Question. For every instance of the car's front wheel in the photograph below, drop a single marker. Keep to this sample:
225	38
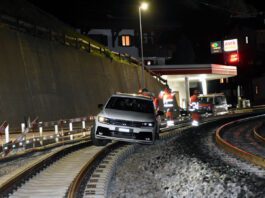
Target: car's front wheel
97	142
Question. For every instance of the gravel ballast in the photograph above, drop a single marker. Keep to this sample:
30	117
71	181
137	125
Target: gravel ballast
190	166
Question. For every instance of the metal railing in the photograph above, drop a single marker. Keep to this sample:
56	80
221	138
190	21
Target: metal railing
37	134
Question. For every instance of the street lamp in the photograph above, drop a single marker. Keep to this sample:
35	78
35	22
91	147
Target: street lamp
143	6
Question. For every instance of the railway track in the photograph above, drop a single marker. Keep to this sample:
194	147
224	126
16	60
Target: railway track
79	170
52	174
240	138
259	133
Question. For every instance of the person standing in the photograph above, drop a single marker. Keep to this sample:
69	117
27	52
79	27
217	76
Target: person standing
194	104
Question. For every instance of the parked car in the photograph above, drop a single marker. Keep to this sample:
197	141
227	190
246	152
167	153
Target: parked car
215	104
126	117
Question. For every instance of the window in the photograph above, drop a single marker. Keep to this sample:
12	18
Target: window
206	100
125	40
220	100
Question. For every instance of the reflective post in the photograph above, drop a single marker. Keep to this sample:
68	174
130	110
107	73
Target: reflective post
7	134
41	131
84	127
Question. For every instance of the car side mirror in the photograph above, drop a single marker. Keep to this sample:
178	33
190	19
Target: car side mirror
100	106
160	113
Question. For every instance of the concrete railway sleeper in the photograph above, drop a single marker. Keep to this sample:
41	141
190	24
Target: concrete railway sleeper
12	185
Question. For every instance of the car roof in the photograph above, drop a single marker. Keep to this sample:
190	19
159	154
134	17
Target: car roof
132	95
212	95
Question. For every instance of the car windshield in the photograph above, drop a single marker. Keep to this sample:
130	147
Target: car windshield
206	100
130	104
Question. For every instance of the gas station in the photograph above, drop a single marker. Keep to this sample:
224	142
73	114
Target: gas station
181	78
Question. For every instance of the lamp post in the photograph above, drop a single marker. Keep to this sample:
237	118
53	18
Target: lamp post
143	6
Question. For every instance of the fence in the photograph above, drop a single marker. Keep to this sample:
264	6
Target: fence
36	134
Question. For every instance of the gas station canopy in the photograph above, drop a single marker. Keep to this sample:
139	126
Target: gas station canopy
195	72
180	77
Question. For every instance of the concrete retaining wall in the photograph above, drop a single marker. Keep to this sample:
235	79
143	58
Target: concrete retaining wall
44	78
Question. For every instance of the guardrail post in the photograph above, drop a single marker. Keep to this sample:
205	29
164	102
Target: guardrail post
84	127
7	134
3	128
41	131
70	130
23	127
83	124
70	126
56	131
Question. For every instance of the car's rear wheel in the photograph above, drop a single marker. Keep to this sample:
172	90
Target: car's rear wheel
97	142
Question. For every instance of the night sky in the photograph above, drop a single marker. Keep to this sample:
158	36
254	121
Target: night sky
206	12
193	23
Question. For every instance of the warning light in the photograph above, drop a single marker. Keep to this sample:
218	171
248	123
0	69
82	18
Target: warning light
233	57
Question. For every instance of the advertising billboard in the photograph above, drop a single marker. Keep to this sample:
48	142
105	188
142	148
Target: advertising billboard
230	45
216	47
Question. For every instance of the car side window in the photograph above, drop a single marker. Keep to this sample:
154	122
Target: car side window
220	100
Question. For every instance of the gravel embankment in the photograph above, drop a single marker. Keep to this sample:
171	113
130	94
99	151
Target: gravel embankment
185	168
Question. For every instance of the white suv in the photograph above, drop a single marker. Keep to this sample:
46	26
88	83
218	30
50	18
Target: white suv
126	117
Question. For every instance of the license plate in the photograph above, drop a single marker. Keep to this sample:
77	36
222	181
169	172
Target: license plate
124	130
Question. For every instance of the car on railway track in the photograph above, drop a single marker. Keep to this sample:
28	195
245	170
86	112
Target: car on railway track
126	117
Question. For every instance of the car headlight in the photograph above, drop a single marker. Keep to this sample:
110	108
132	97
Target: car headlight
104	120
147	124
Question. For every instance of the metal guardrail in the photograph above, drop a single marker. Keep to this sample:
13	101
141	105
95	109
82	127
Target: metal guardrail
59	131
76	42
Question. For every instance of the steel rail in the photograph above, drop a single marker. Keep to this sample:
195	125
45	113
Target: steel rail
76	183
255	159
257	135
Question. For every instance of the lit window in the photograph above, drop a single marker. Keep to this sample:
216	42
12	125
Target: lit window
126	40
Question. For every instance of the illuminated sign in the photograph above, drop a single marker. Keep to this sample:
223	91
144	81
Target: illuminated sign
233	57
216	47
230	45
